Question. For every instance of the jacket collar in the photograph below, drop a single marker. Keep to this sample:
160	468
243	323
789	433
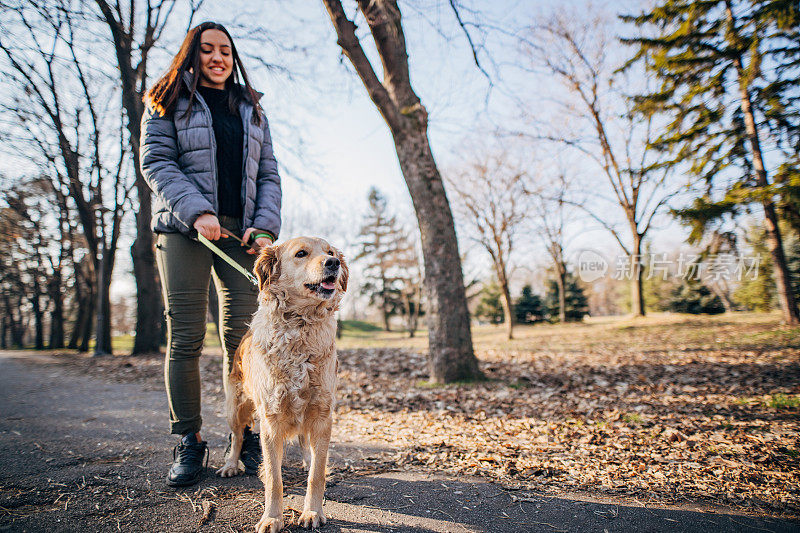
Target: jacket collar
188	77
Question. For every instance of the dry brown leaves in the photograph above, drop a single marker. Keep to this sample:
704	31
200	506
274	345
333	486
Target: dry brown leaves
683	424
674	412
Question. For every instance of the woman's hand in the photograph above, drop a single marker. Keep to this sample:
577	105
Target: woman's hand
207	225
260	243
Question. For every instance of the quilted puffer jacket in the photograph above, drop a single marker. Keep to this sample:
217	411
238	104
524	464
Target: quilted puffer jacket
178	159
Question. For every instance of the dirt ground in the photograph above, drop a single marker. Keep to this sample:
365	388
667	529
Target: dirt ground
666	425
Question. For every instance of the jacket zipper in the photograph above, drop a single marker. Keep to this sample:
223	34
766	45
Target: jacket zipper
243	189
213	150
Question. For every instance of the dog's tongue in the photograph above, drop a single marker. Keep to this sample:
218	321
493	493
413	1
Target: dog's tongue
327	285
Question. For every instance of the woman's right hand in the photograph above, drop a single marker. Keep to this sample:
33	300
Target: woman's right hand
207	225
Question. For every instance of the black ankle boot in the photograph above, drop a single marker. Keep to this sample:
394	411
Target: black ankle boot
187	465
251	452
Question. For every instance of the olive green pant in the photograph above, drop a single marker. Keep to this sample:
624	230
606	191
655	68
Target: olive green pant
185	267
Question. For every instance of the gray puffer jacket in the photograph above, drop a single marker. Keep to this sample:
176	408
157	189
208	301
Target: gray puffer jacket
178	157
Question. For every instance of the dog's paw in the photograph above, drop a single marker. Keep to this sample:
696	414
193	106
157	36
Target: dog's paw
230	470
312	519
269	524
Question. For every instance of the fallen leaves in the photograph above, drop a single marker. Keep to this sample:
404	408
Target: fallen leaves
698	409
666	424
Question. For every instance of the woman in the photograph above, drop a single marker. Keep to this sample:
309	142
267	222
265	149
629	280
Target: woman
207	154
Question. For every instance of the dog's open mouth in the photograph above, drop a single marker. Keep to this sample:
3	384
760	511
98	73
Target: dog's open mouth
324	288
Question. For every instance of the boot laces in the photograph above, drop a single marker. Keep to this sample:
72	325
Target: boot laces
186	453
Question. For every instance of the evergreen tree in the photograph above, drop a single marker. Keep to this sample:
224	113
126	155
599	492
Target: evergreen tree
489	307
757	293
384	254
727	73
529	307
692	296
577	305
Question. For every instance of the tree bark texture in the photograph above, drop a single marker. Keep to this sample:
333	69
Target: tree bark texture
102	344
505	301
561	285
451	353
56	339
637	290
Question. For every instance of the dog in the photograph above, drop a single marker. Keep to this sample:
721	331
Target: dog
285	370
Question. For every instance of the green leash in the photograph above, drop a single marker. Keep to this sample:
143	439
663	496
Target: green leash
225	257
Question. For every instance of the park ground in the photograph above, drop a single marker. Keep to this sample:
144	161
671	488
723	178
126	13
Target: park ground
670	422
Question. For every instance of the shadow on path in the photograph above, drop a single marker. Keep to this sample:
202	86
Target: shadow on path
82	454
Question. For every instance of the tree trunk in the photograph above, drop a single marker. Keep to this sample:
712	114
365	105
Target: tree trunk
505	301
561	285
86	326
38	322
450	342
77	326
637	292
102	344
449	336
56	340
783	280
149	307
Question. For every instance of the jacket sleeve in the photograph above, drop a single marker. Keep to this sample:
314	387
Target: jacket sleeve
268	187
158	156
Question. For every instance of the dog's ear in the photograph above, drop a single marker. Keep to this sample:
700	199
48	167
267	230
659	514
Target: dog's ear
267	267
345	271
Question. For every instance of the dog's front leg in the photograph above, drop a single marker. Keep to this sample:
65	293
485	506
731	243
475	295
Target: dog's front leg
272	453
320	437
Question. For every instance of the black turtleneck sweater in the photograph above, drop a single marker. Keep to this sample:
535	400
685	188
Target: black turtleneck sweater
229	134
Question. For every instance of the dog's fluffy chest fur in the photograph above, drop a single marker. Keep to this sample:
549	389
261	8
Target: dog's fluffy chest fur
292	365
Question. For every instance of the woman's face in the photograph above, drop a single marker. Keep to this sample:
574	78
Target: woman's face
216	59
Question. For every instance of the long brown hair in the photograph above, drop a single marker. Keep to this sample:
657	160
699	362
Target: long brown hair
164	94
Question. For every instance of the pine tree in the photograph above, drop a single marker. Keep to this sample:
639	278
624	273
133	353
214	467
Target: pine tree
577	305
529	307
727	71
692	296
390	262
489	307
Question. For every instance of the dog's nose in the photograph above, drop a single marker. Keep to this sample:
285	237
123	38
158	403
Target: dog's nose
332	263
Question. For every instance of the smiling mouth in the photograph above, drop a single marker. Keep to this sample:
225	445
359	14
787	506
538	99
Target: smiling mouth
324	288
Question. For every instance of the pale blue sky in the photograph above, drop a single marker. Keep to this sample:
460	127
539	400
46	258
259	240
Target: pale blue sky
331	141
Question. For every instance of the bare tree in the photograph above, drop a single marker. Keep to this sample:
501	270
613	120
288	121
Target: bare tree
575	52
451	354
551	207
54	100
490	196
132	49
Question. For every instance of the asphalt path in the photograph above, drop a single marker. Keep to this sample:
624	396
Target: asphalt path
80	453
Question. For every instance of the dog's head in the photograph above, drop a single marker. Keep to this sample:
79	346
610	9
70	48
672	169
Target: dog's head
305	269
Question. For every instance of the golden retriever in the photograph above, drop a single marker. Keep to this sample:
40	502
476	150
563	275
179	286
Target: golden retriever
284	371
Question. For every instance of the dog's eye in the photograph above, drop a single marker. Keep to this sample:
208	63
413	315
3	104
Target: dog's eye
330	252
301	253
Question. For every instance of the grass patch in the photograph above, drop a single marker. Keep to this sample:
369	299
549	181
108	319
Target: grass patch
633	419
783	401
359	325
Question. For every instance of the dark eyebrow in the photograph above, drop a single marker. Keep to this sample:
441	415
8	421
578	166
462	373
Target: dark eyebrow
212	44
